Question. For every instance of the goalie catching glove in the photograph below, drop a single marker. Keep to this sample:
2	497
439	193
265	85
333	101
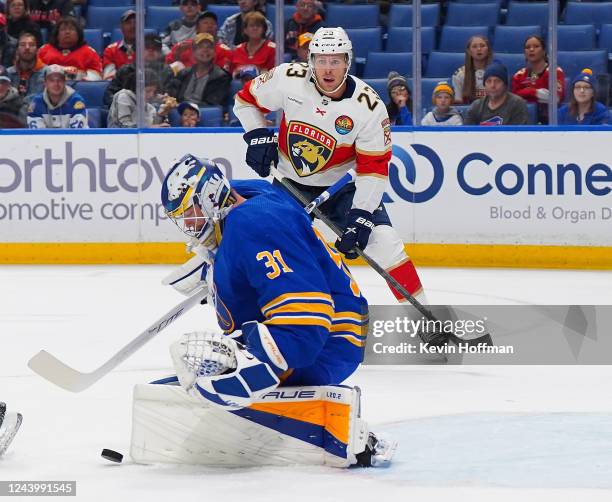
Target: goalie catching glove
218	370
191	275
262	150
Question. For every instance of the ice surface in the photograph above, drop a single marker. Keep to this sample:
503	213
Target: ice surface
466	432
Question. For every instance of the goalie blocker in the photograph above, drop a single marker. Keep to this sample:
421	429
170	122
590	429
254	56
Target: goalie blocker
289	425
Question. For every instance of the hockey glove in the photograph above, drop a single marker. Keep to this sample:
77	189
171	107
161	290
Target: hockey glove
190	276
262	150
359	225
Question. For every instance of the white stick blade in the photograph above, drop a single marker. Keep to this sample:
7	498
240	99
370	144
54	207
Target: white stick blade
58	373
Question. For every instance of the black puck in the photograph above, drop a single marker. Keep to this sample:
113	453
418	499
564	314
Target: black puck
112	455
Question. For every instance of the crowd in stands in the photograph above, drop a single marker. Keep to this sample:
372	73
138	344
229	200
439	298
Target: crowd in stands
61	67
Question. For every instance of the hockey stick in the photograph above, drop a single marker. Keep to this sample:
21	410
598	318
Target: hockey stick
484	339
331	191
62	375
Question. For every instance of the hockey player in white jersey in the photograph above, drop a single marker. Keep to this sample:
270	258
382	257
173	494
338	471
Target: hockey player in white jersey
331	122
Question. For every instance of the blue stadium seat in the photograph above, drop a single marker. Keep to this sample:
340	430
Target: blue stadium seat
166	3
96	118
117	35
223	12
379	64
271	12
573	62
605	37
596	13
92	92
210	116
93	37
527	13
512	38
365	40
401	15
513	61
352	16
126	4
466	14
576	37
400	39
442	65
105	18
160	17
532	114
380	86
454	38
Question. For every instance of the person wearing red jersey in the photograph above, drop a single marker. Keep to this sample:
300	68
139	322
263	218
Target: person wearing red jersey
181	55
67	48
531	82
332	122
257	50
122	52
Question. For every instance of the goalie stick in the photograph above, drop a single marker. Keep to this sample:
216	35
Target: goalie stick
55	371
484	339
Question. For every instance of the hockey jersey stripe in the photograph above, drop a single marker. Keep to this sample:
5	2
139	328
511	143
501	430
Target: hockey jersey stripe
245	96
351	339
303	297
300	321
302	307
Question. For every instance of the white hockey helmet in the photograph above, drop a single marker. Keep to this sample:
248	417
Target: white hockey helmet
330	41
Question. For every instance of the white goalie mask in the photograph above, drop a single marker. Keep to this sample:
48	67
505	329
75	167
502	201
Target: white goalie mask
330	41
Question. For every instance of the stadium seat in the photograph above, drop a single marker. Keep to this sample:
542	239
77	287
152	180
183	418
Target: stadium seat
126	4
365	40
400	39
512	38
454	38
210	116
442	65
105	18
92	92
271	12
466	14
513	61
379	64
380	86
96	118
352	16
163	3
595	13
576	37
160	17
93	37
532	114
605	37
527	14
223	12
401	15
573	62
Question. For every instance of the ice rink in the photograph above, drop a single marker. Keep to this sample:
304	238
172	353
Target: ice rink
466	433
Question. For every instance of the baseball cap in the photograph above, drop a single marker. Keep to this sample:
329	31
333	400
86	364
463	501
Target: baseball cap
52	69
152	41
188	104
127	14
203	37
4	75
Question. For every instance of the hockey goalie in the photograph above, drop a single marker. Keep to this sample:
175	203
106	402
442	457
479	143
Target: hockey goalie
266	388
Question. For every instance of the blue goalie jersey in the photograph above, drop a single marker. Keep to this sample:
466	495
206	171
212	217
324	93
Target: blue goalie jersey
272	266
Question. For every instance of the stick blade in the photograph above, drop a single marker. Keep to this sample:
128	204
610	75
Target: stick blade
55	371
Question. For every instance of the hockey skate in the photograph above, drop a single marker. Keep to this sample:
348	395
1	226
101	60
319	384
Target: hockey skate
378	452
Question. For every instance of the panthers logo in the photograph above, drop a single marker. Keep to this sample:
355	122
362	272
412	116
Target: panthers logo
309	148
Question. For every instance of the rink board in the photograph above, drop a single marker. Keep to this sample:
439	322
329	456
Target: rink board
518	197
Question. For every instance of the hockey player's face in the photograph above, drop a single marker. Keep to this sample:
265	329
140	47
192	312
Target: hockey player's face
329	70
194	219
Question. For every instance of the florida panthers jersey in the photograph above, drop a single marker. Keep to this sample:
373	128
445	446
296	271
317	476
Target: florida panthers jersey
321	138
272	267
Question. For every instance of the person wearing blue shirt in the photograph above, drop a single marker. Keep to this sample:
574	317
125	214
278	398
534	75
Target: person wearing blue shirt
582	108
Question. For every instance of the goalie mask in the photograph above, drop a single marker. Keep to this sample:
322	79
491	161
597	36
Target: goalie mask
194	195
330	41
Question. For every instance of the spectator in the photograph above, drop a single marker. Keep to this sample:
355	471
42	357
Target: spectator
303	45
58	106
47	13
401	102
232	31
189	113
11	103
531	82
443	114
204	83
67	47
257	50
468	81
154	61
499	106
305	20
27	72
121	53
182	29
19	20
8	44
582	108
123	110
181	55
